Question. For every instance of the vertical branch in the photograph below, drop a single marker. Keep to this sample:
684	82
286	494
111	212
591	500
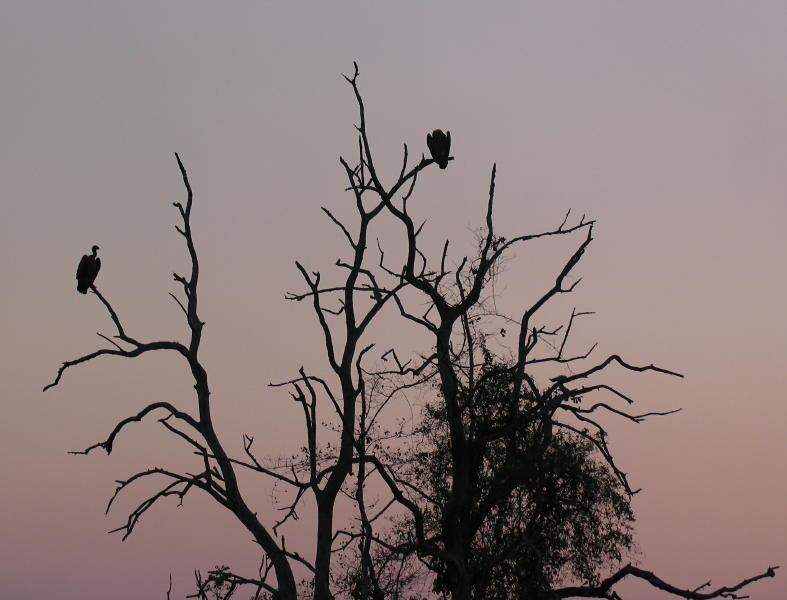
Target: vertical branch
191	285
369	585
234	499
524	346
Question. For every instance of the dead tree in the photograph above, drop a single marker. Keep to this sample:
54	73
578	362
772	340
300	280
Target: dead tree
344	312
454	298
217	478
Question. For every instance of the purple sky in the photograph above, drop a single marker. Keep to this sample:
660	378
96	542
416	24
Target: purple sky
665	121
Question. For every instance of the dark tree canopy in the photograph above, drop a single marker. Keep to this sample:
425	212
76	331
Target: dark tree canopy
567	517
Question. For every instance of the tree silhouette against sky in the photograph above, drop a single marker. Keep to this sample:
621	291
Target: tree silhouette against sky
508	423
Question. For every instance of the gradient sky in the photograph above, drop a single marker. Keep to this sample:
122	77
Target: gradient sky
665	121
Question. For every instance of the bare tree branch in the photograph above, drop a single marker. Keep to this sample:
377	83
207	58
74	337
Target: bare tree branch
604	589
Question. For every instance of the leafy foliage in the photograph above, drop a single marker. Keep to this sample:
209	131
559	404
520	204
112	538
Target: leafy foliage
546	507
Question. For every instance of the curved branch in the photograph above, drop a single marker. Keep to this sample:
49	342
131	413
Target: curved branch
563	379
604	589
187	481
137	351
108	443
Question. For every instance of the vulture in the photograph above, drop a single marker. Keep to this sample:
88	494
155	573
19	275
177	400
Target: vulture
87	271
439	145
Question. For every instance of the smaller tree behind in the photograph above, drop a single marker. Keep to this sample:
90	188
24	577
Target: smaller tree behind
567	518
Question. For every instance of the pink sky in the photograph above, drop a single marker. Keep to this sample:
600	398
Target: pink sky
665	121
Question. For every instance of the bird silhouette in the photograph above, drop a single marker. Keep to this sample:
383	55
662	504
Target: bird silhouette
87	270
439	145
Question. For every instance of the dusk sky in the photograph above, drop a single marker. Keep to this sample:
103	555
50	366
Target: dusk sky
664	121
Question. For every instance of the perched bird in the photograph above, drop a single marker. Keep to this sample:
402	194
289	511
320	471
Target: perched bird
439	145
87	270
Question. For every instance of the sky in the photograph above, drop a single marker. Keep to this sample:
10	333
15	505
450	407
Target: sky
664	121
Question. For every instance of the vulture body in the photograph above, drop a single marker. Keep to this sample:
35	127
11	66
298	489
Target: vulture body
87	270
439	145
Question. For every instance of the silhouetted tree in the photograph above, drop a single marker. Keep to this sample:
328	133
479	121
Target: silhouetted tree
566	515
497	438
